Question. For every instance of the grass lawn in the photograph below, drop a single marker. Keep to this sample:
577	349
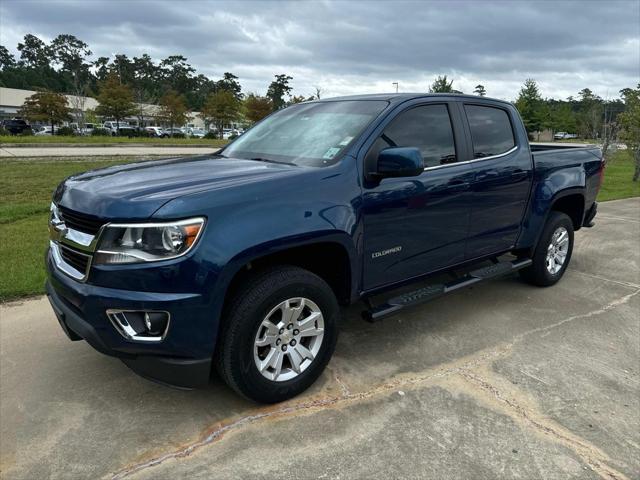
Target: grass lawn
25	194
617	182
79	140
26	187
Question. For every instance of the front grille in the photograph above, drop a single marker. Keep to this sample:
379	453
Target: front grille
77	260
80	221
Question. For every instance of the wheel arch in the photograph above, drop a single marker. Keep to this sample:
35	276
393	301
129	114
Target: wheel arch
332	257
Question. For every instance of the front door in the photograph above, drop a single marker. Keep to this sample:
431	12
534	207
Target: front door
416	225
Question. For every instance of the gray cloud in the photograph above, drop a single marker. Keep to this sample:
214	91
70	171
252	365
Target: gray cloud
356	47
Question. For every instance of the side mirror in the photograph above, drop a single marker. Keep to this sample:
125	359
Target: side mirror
399	162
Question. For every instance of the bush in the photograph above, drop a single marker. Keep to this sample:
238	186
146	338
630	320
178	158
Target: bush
4	132
179	135
65	131
233	137
100	132
210	135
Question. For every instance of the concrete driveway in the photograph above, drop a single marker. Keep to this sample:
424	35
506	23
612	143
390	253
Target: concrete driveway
503	380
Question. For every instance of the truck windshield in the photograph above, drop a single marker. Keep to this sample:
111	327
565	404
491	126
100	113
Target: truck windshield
312	134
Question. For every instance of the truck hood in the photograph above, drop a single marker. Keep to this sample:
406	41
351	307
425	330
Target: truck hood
137	190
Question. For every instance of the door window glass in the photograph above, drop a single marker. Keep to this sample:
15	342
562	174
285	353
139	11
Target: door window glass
427	128
491	131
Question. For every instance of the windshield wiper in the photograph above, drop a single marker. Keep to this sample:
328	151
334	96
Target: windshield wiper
269	160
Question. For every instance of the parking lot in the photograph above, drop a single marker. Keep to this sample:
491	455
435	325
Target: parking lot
502	380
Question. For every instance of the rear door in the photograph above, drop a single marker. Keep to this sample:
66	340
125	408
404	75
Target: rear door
416	225
502	175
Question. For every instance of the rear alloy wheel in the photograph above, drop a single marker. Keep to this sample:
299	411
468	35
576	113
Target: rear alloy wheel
553	252
557	250
278	334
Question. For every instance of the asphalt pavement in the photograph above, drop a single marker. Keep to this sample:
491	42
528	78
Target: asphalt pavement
499	381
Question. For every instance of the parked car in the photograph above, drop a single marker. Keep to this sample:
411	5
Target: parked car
119	128
240	260
228	133
169	132
196	132
155	131
16	126
46	130
87	129
564	136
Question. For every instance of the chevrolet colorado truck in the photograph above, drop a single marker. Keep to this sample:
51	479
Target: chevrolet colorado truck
240	261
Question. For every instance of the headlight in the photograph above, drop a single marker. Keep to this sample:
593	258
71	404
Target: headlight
147	242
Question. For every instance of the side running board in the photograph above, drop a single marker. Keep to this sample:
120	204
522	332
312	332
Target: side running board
422	295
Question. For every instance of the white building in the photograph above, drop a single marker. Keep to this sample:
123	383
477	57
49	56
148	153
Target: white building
11	99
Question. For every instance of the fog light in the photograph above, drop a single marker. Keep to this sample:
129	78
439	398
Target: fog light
140	326
155	322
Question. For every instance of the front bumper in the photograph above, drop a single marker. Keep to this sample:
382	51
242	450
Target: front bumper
182	359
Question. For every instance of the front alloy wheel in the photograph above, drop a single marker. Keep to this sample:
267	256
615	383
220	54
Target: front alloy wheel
278	333
288	339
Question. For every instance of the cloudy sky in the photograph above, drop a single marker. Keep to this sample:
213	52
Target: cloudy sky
361	47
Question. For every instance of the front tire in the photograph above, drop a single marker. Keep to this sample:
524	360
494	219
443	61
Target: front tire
553	252
279	333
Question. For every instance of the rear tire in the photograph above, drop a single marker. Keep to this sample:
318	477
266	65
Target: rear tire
279	332
553	252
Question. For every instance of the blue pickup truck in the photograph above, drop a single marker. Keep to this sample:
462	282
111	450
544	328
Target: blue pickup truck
240	261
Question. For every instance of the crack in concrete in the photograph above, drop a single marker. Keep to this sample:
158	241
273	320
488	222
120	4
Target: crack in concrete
598	277
511	402
463	367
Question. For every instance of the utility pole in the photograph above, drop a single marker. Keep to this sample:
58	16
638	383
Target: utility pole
396	84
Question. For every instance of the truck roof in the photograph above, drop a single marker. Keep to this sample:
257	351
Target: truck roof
401	97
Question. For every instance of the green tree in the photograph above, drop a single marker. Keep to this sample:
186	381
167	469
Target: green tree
44	106
480	90
34	52
229	82
257	107
173	110
563	118
101	66
7	60
441	85
590	113
629	122
529	104
221	108
115	100
176	73
278	89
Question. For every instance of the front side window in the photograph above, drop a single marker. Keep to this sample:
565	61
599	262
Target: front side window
491	131
311	134
427	128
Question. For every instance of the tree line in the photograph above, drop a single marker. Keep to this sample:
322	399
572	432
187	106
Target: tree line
65	65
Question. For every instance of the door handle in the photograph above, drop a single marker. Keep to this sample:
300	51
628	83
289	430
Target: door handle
518	174
457	185
487	175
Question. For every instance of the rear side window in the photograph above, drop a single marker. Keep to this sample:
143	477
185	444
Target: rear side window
491	131
427	128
